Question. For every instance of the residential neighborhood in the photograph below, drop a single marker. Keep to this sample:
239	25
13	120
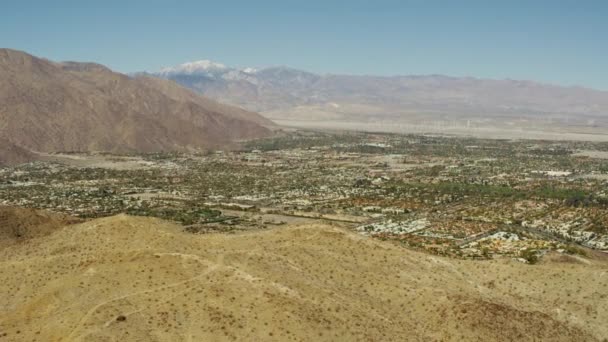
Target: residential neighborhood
460	197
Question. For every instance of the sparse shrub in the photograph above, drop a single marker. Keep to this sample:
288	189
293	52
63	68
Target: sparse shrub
485	252
530	255
575	250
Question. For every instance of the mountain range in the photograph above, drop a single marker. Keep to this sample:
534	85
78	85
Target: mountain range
47	106
292	96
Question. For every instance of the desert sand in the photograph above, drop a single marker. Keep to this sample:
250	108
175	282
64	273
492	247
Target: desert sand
142	279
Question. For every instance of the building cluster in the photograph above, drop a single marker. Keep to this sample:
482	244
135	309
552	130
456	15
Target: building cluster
462	197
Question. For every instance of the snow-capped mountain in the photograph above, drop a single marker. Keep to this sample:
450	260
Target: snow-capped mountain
291	94
194	68
207	69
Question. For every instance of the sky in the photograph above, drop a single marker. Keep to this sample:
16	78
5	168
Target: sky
553	41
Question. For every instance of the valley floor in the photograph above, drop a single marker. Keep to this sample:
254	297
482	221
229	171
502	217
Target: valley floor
444	128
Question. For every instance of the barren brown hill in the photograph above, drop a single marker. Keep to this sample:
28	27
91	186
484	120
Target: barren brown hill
11	154
21	224
47	106
179	93
139	279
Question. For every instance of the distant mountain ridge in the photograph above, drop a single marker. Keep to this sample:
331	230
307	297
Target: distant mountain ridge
69	106
283	93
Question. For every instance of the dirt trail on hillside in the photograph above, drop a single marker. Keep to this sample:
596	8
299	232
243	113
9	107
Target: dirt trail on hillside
143	279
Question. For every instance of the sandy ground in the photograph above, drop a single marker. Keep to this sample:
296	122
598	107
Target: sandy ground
141	279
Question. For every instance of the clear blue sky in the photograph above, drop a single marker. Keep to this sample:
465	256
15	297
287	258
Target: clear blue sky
556	41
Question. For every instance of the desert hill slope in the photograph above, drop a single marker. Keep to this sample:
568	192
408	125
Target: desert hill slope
47	106
181	94
21	224
143	279
12	154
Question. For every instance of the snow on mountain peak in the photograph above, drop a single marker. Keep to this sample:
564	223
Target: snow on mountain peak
192	68
211	70
249	70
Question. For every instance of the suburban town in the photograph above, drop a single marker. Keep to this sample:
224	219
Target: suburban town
291	171
452	196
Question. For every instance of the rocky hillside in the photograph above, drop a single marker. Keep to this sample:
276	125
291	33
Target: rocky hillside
126	278
12	154
47	106
18	225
